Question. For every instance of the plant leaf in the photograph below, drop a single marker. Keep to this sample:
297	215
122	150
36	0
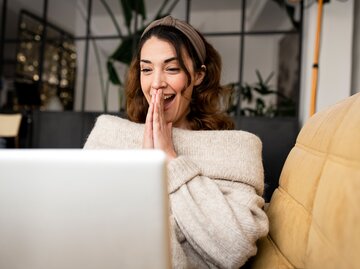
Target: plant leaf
124	51
246	93
259	76
140	6
260	105
127	12
269	78
113	76
130	6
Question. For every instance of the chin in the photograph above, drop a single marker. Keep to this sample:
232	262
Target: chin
169	116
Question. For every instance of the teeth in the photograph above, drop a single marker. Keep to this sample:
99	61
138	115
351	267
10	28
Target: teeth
167	97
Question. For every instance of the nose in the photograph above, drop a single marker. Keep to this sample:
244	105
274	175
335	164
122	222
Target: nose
158	80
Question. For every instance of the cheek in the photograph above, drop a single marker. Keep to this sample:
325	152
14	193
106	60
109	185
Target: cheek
179	84
142	83
145	87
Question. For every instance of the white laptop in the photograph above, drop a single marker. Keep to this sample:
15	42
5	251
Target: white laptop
83	209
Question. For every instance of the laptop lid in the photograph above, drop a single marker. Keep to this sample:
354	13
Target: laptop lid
74	208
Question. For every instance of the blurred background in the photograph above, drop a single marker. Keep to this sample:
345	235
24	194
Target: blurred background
62	63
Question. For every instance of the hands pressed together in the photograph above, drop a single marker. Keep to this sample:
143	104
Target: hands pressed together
158	133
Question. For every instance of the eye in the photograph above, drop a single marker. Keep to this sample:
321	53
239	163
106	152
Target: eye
173	69
145	70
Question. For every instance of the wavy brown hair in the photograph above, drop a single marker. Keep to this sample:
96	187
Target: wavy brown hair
206	112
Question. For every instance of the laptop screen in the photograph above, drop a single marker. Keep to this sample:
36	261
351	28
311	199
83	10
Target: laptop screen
83	209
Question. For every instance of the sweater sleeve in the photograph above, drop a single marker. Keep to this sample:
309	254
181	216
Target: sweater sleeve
220	219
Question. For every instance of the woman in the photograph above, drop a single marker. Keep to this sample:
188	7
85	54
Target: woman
215	177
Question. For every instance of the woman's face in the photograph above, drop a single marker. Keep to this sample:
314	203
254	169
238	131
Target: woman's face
160	69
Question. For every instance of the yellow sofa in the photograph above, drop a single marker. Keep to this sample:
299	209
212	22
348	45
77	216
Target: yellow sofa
314	214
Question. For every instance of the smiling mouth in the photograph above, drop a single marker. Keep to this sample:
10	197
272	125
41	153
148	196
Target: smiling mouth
168	100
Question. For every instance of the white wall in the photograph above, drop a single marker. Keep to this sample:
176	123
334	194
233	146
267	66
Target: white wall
260	51
222	21
335	61
100	25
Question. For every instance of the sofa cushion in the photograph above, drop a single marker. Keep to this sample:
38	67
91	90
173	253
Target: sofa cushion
314	213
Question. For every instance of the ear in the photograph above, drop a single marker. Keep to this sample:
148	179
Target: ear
199	76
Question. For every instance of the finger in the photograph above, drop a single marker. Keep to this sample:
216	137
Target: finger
161	101
162	113
157	124
157	112
149	115
148	132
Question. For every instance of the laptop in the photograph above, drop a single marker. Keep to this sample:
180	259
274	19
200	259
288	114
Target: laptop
74	208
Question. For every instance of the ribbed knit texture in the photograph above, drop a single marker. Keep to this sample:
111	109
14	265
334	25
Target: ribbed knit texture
215	186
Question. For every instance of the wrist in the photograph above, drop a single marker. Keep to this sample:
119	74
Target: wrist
171	155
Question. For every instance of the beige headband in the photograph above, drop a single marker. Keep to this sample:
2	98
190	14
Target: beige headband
186	29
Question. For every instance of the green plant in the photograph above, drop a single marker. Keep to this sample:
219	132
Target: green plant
252	98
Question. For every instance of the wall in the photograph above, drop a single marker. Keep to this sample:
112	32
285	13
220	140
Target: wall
335	61
260	52
208	21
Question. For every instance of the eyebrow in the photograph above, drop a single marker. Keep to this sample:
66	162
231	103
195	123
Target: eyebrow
166	60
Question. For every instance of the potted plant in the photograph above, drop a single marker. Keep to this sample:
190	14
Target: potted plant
252	98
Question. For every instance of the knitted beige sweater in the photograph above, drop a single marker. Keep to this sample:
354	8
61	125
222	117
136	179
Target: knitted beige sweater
215	188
